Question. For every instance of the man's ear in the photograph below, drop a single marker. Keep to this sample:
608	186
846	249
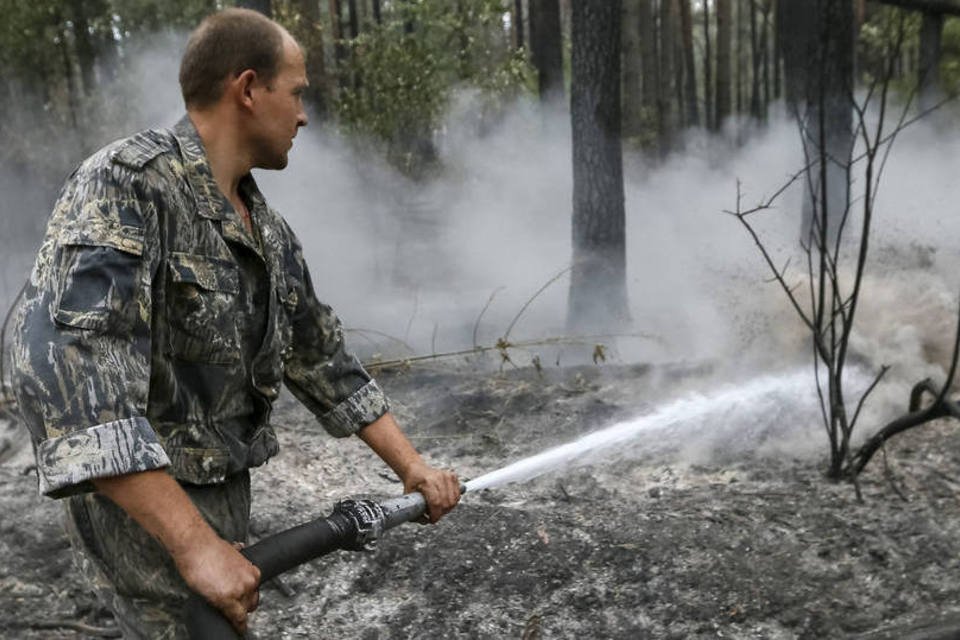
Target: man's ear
242	87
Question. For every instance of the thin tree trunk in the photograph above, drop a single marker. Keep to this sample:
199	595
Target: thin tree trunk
516	24
755	59
650	65
83	45
765	48
376	12
339	50
598	294
931	37
666	105
708	89
724	29
318	93
632	70
353	19
546	41
739	58
690	70
777	52
817	44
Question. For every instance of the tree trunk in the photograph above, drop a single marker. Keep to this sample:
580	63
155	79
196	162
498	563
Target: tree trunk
516	24
649	63
377	17
765	48
690	65
632	70
546	41
598	293
83	45
816	37
353	19
708	89
318	93
339	50
739	58
777	52
755	60
666	96
724	29
931	36
263	6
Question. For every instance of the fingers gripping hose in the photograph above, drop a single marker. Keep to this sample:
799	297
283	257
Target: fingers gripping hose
354	524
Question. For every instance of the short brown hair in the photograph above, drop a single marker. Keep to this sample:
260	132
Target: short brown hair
225	45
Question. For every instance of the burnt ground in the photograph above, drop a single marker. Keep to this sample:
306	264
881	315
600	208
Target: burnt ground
741	547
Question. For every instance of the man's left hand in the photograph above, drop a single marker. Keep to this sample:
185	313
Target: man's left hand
440	488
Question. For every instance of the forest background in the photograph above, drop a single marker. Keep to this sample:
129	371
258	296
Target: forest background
423	113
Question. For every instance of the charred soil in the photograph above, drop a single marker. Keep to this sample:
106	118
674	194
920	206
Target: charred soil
744	547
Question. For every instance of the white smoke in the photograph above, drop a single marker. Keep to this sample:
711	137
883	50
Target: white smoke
419	263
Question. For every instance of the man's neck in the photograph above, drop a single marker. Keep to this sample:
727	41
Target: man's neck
229	161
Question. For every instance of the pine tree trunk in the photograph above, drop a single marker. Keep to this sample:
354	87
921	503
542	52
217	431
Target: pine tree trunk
339	50
83	45
632	70
818	48
598	293
724	30
708	88
755	60
931	37
738	88
516	24
690	65
318	93
765	47
546	41
666	96
777	53
649	63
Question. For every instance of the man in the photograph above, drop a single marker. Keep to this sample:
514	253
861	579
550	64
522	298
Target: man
167	304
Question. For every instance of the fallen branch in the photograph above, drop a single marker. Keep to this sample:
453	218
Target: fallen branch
73	625
502	346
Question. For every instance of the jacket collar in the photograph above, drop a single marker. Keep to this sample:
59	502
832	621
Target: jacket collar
211	203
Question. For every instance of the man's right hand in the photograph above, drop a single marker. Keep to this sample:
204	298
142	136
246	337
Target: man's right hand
208	564
220	573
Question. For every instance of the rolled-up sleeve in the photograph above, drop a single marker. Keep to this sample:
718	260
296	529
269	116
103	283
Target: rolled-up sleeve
320	371
82	338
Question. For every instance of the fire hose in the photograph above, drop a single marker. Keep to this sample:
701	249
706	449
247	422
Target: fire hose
354	525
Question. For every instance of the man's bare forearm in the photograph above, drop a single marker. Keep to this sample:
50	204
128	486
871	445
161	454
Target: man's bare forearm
160	505
211	566
440	488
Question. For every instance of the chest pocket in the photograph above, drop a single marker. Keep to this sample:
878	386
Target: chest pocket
202	308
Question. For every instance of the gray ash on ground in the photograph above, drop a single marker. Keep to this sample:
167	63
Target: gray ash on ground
631	547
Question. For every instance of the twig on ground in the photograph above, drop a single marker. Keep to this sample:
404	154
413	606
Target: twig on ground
74	625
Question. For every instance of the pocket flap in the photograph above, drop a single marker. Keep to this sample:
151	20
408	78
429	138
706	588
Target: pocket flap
99	233
207	272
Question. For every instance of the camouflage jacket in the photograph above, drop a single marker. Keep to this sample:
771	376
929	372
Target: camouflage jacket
155	330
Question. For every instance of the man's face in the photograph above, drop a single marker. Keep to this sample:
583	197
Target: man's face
279	110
